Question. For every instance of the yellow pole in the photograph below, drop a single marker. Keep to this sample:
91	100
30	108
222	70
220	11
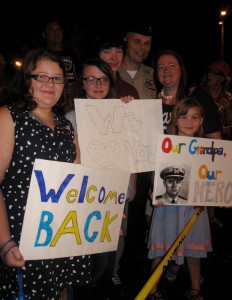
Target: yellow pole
168	256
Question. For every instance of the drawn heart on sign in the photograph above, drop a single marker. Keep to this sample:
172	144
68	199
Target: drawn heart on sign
103	155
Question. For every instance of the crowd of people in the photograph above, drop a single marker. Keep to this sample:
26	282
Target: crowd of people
37	120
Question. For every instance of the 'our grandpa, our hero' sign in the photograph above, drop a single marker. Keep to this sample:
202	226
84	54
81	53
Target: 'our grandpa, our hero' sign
72	210
207	179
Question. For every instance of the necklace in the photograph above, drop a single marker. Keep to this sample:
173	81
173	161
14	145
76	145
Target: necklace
167	99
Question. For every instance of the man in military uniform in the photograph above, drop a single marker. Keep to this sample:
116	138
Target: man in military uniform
172	180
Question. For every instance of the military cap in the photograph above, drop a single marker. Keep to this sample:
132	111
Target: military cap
140	28
221	67
177	172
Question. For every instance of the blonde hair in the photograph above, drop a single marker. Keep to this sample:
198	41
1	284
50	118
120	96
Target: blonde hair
181	108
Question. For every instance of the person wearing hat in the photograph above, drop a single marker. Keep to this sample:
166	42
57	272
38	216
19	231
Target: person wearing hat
172	180
220	67
138	40
217	82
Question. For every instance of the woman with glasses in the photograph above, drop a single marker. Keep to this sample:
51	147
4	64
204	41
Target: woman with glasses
216	82
30	128
96	81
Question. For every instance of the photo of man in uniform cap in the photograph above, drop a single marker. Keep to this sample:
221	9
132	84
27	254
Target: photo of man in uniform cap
172	179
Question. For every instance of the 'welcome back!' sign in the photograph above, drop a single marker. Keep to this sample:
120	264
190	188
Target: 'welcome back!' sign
72	210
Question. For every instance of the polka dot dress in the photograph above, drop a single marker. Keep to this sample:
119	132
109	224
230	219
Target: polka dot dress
42	279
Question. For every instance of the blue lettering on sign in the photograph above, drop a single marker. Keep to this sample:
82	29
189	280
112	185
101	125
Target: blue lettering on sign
51	193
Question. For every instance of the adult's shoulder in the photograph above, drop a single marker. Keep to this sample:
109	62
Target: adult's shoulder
6	122
4	111
183	198
147	69
10	111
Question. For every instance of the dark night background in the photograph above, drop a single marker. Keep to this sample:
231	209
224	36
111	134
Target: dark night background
191	28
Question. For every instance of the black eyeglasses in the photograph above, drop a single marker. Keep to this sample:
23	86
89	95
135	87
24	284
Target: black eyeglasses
93	80
45	78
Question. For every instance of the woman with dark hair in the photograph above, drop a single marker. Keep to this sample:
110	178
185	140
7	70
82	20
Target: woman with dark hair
95	81
172	85
170	78
30	128
110	47
104	68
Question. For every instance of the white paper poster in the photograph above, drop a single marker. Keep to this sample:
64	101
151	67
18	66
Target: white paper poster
117	135
207	175
72	210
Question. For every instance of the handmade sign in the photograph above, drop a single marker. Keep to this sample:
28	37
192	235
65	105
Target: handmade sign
193	171
72	210
117	135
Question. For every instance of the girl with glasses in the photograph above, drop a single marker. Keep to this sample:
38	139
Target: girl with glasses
96	81
30	128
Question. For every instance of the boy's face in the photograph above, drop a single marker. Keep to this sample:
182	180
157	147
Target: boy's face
112	56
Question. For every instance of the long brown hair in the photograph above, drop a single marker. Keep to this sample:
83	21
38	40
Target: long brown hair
181	108
19	90
102	66
181	91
